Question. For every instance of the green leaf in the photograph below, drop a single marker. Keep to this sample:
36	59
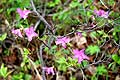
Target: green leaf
66	51
62	67
116	58
27	77
3	1
94	77
25	3
62	61
93	34
101	32
85	63
53	3
3	71
1	10
18	76
26	52
101	70
74	4
3	37
92	49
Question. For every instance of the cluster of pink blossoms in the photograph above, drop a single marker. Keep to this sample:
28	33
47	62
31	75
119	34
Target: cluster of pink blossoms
30	34
28	31
79	54
101	13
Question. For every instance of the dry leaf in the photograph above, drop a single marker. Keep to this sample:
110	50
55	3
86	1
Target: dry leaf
117	77
79	41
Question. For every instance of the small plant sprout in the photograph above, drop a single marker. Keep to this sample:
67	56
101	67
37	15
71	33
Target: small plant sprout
4	71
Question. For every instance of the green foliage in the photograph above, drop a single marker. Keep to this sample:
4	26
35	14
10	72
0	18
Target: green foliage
116	58
18	76
65	51
93	34
6	52
3	71
116	33
52	50
111	2
72	62
92	49
101	70
1	10
76	15
19	3
74	4
94	77
53	3
85	63
72	78
13	5
98	33
64	64
21	76
25	57
3	37
113	66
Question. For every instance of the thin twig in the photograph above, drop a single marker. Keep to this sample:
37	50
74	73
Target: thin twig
41	17
21	50
42	62
36	25
103	4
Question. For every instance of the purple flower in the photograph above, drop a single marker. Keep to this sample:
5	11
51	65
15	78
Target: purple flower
23	13
49	70
101	13
30	33
79	54
62	40
79	34
17	32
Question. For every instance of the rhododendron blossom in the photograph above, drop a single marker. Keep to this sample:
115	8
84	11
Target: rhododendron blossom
49	70
17	32
79	34
79	54
23	13
30	33
62	40
101	13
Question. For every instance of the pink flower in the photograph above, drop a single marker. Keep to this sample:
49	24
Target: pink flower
17	32
79	34
62	40
79	54
101	13
49	70
30	33
23	13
